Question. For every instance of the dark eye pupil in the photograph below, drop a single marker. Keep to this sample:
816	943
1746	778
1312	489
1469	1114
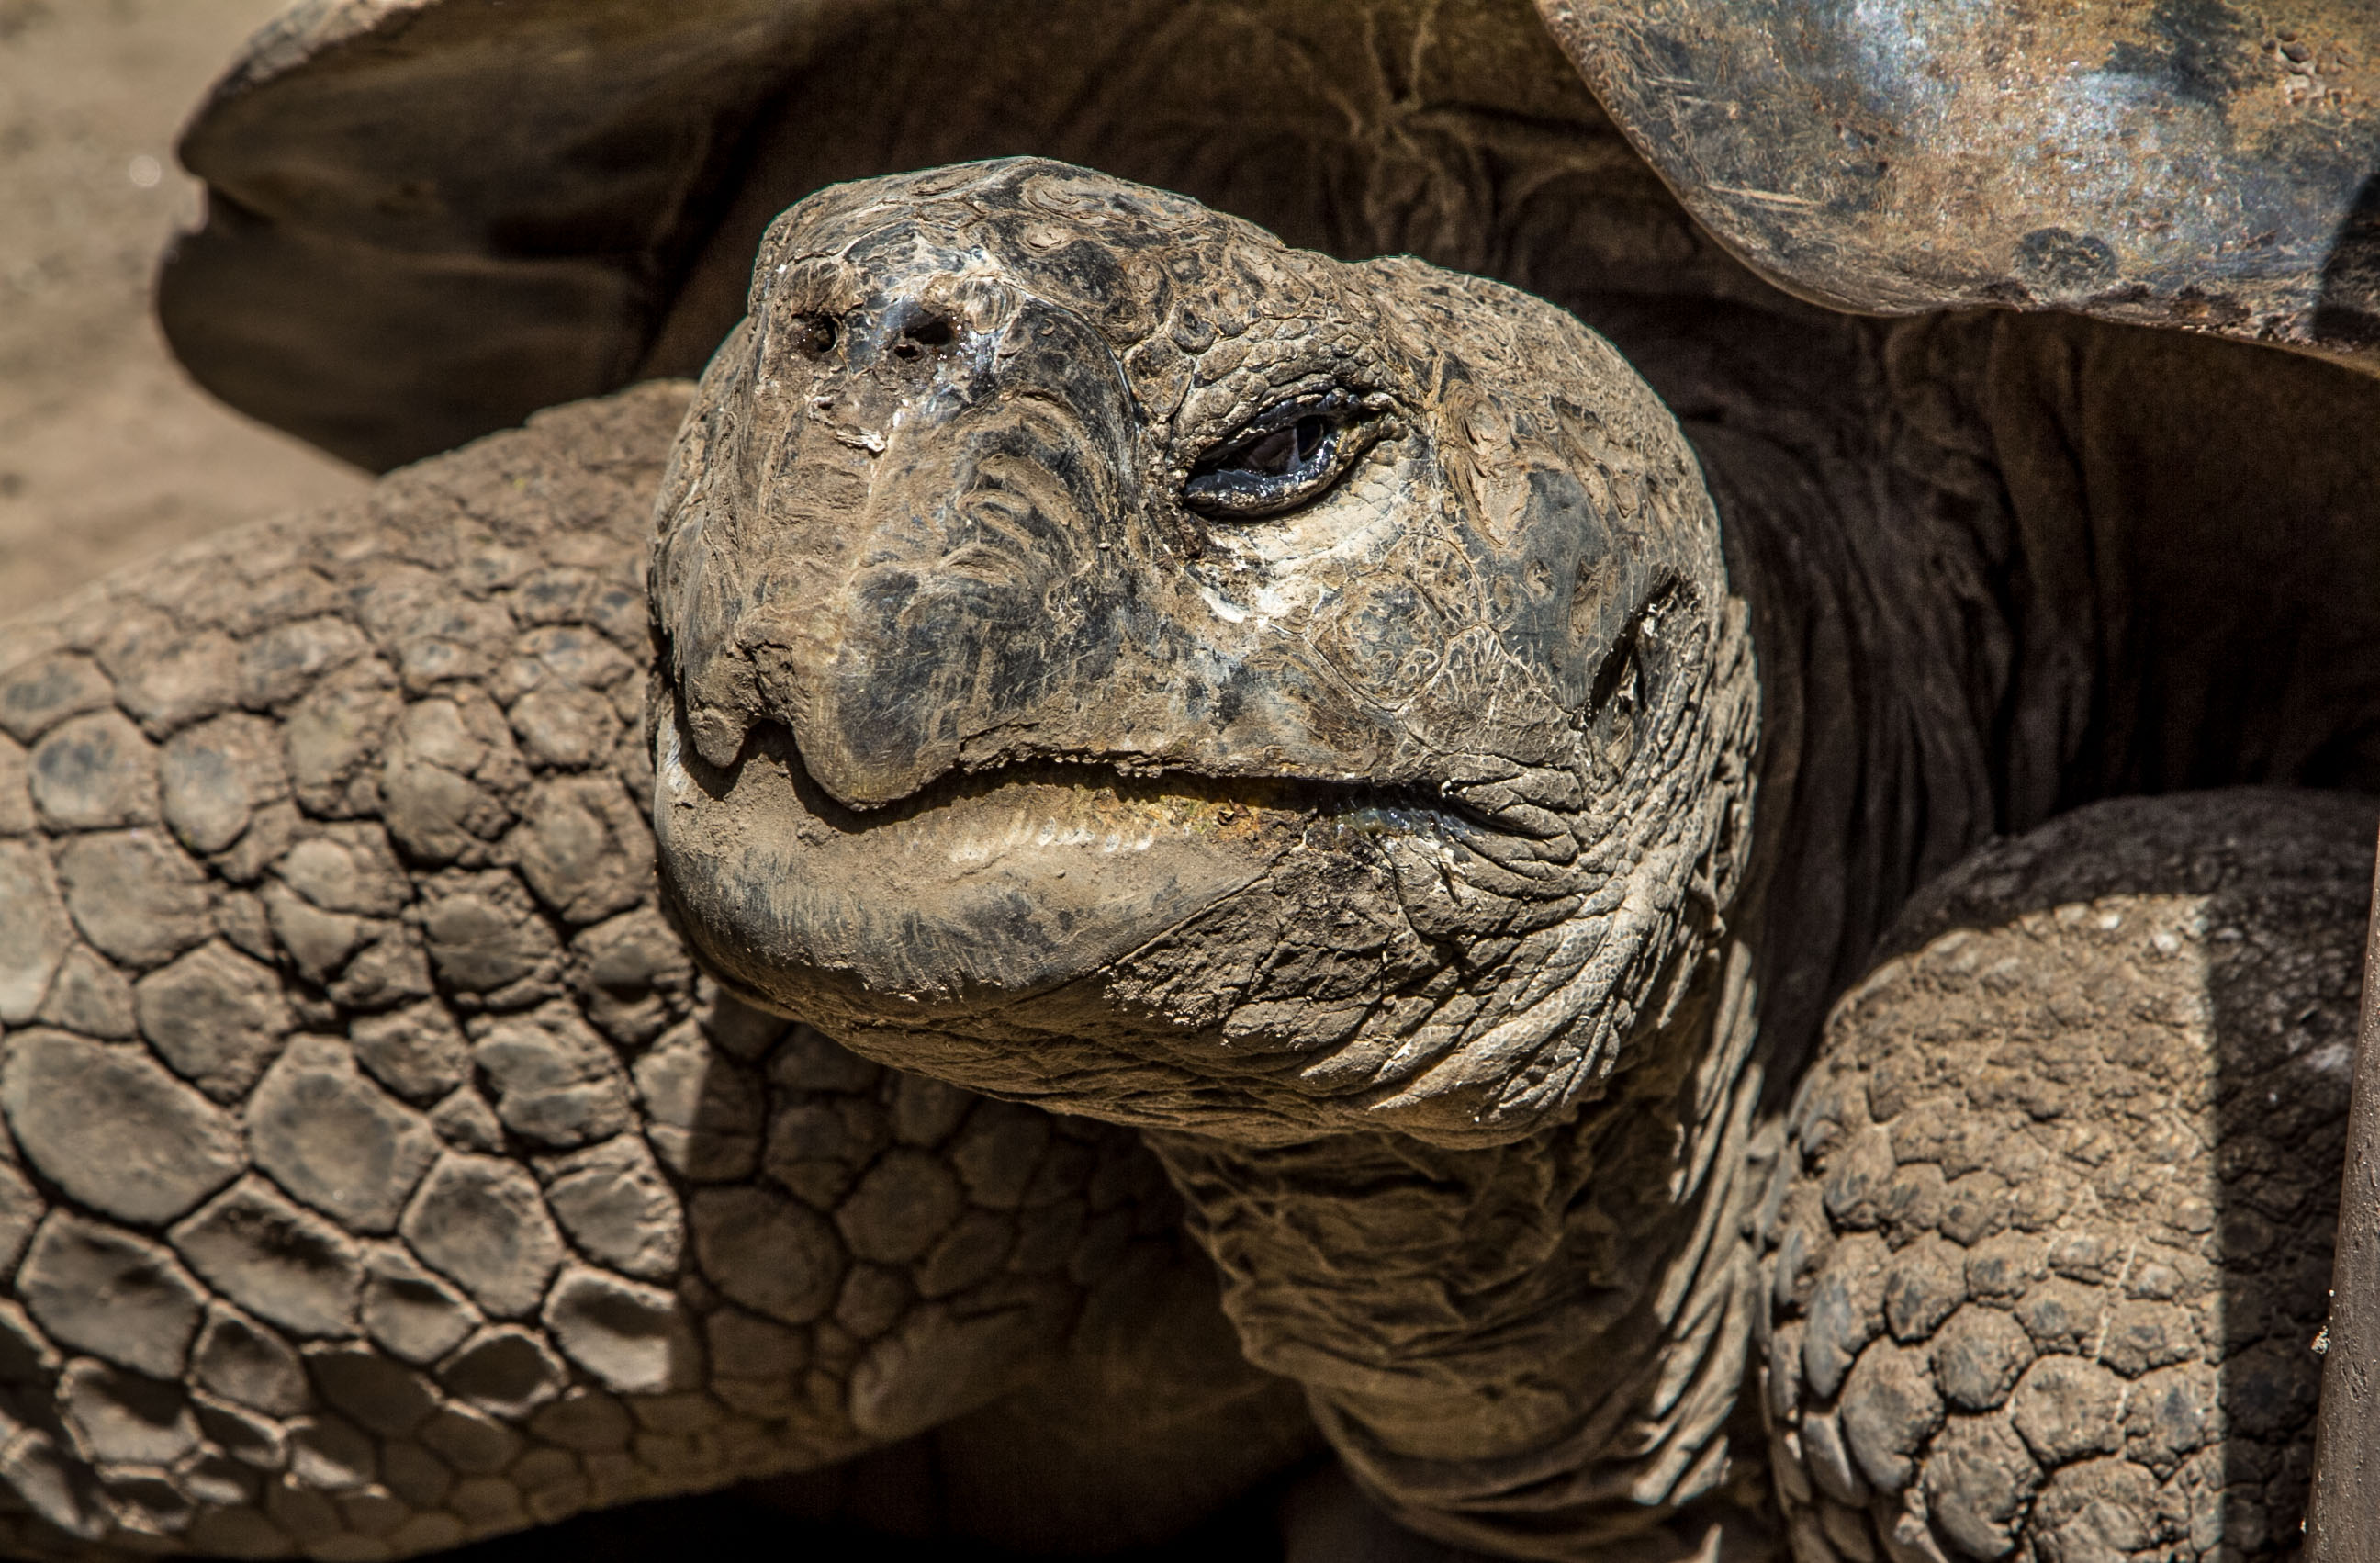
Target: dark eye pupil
814	335
1285	450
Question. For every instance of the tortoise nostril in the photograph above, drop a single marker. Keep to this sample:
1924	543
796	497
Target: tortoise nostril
924	331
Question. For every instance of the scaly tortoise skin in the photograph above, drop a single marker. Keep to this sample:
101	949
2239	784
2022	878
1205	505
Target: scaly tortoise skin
388	268
2052	1265
1558	897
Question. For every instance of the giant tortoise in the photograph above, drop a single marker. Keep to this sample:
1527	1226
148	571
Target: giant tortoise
1672	918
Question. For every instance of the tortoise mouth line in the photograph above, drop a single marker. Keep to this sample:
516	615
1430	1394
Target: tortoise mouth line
1129	787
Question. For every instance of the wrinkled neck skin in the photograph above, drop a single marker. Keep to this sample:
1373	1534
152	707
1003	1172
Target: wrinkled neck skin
1885	652
1531	1348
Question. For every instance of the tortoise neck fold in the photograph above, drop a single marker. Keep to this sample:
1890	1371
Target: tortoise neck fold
1883	656
2001	566
1531	1348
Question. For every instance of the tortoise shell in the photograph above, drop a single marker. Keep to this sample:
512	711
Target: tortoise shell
427	218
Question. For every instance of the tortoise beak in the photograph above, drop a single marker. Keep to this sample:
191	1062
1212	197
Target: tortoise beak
947	532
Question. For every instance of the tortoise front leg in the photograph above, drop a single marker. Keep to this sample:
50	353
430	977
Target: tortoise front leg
2052	1248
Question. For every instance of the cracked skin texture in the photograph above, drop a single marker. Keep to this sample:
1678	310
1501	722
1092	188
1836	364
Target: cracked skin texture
383	1173
2052	1254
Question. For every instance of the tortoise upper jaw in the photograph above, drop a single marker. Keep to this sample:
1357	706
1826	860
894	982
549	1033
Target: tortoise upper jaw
1008	888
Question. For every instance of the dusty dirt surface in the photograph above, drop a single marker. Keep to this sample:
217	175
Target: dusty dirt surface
108	453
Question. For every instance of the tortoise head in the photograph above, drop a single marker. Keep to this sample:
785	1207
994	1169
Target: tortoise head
1114	660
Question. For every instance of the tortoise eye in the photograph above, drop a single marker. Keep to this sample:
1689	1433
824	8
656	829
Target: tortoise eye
1287	456
814	335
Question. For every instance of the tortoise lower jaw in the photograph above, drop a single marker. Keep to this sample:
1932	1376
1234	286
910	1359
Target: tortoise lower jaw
979	892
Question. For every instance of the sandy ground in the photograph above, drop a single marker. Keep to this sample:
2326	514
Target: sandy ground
107	452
